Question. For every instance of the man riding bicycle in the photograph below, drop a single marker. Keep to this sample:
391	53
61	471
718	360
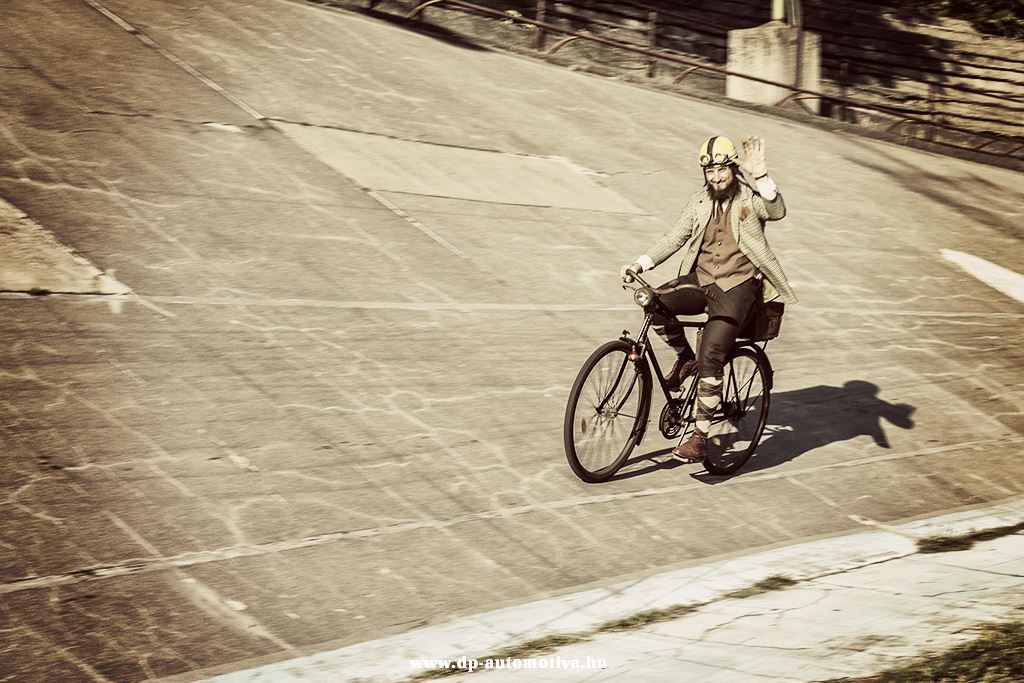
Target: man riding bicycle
721	234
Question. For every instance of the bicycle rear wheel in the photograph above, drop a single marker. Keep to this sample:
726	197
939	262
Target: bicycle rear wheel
737	429
606	412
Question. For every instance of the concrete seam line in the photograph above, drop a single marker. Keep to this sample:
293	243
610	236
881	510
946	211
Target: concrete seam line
466	307
552	207
182	64
145	565
433	307
398	138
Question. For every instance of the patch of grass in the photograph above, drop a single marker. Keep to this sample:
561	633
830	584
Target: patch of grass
530	648
945	544
436	673
772	583
996	656
539	645
641	619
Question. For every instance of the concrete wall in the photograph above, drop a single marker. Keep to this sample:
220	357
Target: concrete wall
775	52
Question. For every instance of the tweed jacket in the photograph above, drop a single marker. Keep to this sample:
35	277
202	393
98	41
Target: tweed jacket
750	211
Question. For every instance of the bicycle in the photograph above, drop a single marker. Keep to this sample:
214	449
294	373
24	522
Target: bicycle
608	410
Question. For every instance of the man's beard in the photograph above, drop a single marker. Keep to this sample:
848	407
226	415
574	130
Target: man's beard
730	190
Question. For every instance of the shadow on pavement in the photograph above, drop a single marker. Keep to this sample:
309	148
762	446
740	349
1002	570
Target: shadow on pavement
647	462
970	196
806	419
798	422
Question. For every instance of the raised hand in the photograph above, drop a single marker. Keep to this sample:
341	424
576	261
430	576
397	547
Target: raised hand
754	163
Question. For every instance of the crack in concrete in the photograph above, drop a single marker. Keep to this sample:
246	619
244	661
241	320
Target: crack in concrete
492	202
214	125
250	550
778	613
212	603
387	136
12	501
65	391
67	655
45	293
983	571
529	307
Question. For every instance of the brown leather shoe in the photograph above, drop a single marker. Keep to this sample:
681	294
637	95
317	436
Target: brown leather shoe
680	371
691	451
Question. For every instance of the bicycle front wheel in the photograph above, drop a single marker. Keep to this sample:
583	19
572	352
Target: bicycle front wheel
607	412
737	429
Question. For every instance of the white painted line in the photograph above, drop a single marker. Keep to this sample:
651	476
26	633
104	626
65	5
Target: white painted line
393	305
96	5
153	307
882	312
478	307
416	224
110	15
229	127
431	306
1005	280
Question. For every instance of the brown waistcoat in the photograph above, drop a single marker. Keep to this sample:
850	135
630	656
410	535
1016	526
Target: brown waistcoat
720	260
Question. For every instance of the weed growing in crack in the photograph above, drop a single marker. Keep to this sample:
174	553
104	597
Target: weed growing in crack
524	650
772	583
538	646
641	619
945	544
996	655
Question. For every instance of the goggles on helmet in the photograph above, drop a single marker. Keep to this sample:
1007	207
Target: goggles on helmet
717	159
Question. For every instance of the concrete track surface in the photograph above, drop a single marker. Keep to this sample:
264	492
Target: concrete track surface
366	265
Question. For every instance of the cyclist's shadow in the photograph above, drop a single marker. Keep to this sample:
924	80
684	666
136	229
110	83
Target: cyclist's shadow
801	421
806	419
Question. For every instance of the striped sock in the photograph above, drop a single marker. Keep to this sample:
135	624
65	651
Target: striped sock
709	397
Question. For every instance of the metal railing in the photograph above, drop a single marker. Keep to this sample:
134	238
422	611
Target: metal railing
692	66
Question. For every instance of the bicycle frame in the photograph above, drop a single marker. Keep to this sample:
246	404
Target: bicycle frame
642	350
645	350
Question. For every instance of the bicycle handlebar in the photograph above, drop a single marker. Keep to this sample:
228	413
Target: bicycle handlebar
660	291
633	276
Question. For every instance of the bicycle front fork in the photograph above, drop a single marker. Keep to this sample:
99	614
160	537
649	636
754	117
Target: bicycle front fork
639	348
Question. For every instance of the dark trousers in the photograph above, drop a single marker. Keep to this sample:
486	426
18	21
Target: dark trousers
727	312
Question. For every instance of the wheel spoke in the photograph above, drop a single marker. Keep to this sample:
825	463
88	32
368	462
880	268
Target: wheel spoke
602	419
738	428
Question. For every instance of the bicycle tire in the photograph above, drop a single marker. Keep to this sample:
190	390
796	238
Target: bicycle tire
610	381
746	397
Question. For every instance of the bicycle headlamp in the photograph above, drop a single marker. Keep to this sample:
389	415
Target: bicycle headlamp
643	296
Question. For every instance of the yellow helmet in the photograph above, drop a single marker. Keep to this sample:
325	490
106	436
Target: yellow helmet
717	151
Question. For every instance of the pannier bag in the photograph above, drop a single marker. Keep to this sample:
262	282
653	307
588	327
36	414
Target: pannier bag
765	321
